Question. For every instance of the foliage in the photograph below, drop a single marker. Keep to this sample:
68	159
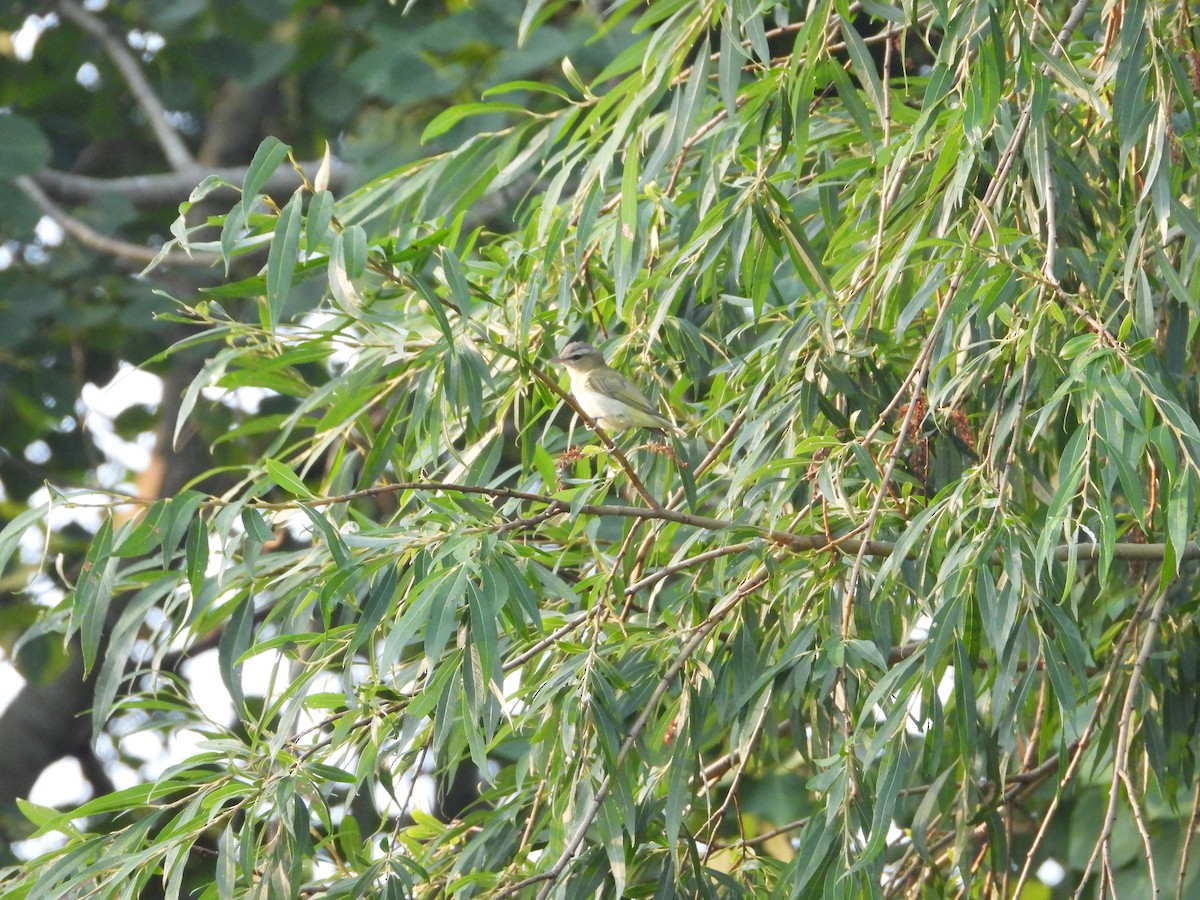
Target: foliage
361	75
912	606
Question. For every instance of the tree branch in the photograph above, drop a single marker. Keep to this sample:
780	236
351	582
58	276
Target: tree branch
1125	724
90	237
173	147
170	188
1148	552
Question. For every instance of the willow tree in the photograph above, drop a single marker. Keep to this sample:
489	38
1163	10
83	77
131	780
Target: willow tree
909	608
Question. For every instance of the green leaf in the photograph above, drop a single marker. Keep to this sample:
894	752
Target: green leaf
887	787
93	593
141	534
234	642
729	71
46	818
121	640
197	554
316	223
256	526
227	861
354	249
374	608
341	283
282	259
447	119
864	65
13	532
287	479
443	615
537	87
333	540
270	153
457	281
176	520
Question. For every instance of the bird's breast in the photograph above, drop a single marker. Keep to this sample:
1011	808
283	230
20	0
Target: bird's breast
599	406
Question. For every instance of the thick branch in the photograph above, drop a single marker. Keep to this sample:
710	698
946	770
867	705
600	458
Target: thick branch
92	238
41	725
1149	552
172	188
173	147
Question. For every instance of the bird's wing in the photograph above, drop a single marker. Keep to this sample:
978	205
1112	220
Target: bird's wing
616	385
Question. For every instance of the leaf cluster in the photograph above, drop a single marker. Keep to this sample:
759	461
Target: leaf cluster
889	621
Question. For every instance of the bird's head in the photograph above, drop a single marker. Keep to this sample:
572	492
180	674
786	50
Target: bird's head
579	357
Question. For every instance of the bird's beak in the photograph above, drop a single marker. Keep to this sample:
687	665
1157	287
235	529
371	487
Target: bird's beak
557	360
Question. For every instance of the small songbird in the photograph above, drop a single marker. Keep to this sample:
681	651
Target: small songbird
615	402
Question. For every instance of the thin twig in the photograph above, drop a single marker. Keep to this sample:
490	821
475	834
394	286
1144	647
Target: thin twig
673	501
552	638
1082	744
714	820
1135	809
1188	834
1125	725
699	559
925	359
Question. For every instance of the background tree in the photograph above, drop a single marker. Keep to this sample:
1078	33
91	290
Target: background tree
116	116
911	609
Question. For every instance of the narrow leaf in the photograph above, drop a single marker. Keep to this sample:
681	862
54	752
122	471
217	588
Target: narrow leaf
282	258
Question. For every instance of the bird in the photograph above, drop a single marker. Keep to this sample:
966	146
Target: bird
615	402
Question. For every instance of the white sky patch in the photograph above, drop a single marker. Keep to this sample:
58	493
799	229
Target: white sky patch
208	689
159	751
88	76
61	784
84	509
38	452
346	346
1051	872
128	387
10	681
35	255
422	795
243	399
99	407
25	38
45	591
213	702
49	233
148	43
946	685
920	628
